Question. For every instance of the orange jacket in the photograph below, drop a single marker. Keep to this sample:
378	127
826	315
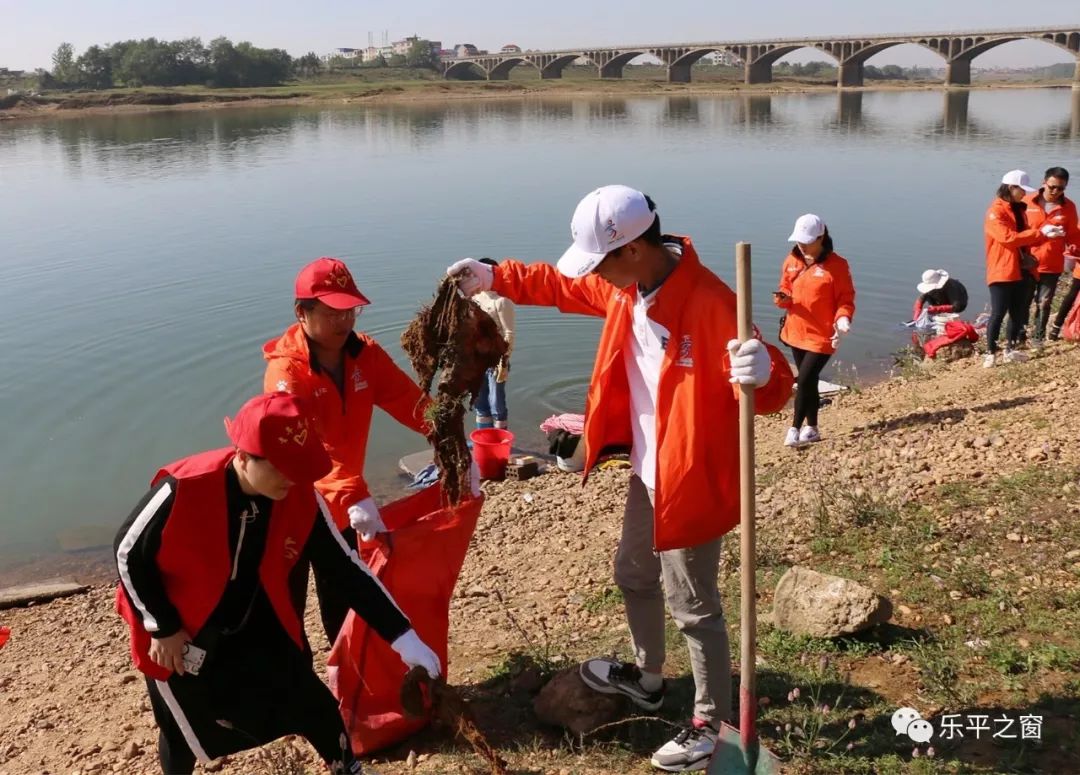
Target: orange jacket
344	421
1051	253
821	294
1003	243
697	415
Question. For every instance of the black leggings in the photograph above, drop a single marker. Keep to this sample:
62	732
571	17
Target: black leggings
333	602
1007	298
807	399
1066	305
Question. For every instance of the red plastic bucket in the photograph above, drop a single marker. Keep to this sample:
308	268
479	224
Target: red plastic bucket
491	451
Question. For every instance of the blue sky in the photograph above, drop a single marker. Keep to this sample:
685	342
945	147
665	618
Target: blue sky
30	31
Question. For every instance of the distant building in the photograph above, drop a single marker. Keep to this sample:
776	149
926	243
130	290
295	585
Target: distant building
348	53
466	50
510	48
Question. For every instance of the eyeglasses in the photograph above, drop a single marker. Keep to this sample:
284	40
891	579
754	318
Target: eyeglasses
1056	188
338	314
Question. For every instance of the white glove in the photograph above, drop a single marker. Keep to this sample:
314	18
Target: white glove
843	324
415	653
473	276
750	362
1052	231
365	519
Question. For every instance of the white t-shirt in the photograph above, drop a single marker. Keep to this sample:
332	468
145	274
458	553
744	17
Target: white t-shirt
644	356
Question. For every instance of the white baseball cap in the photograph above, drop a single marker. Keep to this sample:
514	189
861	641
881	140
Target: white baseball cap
604	220
807	229
932	279
1018	178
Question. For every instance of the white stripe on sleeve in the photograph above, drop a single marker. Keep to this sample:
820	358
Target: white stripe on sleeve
130	538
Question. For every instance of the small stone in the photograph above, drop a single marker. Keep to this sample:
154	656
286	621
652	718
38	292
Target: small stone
955	594
997	573
1015	537
1023	643
130	751
904	610
947	619
410	760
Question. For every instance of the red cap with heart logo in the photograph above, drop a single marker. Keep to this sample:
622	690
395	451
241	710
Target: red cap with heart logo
329	281
276	426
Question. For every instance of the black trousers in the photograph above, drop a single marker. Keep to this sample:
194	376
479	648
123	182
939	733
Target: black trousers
1066	306
1007	299
255	688
333	605
807	398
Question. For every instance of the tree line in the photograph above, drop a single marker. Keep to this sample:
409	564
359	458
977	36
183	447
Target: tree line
153	62
821	69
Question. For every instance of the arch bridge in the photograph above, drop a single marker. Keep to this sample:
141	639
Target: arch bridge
957	49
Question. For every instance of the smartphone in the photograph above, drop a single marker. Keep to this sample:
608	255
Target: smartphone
193	658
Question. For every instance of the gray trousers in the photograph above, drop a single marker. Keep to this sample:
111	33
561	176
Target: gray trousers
692	593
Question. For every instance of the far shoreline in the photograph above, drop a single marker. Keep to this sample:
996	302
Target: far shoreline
354	93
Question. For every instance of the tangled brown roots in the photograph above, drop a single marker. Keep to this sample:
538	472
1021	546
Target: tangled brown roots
454	339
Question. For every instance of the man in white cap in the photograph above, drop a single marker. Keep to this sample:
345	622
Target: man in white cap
940	294
665	386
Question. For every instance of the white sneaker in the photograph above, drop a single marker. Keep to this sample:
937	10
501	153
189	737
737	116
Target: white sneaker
1036	346
791	438
610	677
688	751
809	434
988	361
1015	356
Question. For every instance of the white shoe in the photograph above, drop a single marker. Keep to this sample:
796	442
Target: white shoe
610	677
1036	346
688	751
1015	356
809	434
988	361
791	438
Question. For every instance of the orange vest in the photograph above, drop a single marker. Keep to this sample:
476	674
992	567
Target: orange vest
697	411
1051	253
821	294
1003	243
194	561
344	421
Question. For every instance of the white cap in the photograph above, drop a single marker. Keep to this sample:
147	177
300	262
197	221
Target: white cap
1018	178
932	279
807	229
604	220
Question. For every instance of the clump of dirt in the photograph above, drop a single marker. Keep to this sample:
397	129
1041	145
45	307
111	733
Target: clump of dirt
456	341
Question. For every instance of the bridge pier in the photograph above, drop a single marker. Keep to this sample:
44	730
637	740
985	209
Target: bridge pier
958	72
758	72
611	70
1076	76
849	75
678	74
495	75
548	73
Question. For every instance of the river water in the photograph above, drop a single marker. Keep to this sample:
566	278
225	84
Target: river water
145	258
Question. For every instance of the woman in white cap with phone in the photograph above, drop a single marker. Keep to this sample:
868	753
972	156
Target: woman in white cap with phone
818	297
1010	268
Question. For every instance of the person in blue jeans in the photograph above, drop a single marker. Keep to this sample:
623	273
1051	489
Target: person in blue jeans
491	411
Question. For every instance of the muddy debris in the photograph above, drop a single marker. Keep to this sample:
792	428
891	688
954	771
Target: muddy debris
453	340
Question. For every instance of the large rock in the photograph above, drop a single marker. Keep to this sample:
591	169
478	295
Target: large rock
39	592
567	702
816	604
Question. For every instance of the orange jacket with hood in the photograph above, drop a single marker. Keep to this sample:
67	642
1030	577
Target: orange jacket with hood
1051	253
697	417
819	295
1004	241
371	379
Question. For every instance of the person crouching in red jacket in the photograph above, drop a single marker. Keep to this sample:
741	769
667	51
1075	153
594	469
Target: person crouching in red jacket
662	387
206	561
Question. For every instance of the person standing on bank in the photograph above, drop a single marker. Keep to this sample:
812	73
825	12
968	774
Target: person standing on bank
818	299
1008	263
491	410
662	386
205	563
1050	205
343	375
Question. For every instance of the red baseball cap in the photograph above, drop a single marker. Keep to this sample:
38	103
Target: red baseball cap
276	426
329	281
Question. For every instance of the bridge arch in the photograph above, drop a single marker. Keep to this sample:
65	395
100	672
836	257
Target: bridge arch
760	59
554	68
613	67
465	71
501	71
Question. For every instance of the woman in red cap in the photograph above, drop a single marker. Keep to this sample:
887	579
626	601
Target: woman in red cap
343	375
205	561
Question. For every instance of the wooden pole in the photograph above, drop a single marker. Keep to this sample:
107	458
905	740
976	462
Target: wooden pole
748	603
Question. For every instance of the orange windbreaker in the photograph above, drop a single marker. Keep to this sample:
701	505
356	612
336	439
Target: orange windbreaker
1051	253
821	294
697	415
1003	243
344	421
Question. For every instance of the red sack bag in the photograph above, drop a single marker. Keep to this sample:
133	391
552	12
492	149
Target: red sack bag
955	331
5	633
1071	329
418	562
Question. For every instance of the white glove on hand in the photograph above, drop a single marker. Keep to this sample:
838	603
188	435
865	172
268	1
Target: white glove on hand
415	653
365	520
473	276
1051	231
843	324
750	362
